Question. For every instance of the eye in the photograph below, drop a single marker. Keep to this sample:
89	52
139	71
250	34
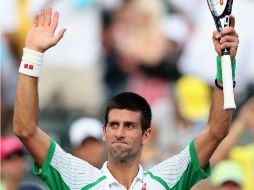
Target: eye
130	125
113	125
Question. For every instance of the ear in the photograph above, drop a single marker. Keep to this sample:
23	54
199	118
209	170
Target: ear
104	134
147	136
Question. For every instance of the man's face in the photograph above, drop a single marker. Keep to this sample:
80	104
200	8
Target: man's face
13	166
123	135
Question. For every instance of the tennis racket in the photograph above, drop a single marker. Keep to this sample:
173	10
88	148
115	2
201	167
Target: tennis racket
221	9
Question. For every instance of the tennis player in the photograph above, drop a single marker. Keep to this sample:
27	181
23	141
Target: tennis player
125	132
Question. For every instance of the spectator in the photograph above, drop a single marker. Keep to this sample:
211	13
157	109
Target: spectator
86	141
14	166
227	175
193	98
13	162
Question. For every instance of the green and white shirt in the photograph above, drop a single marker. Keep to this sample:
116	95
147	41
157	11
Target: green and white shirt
64	171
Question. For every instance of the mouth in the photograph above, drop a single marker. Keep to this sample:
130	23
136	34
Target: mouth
119	142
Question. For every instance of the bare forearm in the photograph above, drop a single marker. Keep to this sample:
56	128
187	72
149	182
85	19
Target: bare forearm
219	120
238	128
229	142
25	119
217	129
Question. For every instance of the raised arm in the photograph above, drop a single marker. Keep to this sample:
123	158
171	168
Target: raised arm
25	122
241	124
219	120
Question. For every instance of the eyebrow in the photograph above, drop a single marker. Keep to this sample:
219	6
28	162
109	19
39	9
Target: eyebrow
125	122
130	122
113	122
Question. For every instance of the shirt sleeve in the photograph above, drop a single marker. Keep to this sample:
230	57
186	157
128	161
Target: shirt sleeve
61	170
194	172
181	171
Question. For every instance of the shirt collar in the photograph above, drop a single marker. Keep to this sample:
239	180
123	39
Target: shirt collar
111	179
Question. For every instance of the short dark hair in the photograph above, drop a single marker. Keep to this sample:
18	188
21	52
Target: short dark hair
133	102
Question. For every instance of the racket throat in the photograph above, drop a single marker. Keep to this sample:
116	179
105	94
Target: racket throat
221	23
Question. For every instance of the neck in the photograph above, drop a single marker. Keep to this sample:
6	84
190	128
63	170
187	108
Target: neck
123	172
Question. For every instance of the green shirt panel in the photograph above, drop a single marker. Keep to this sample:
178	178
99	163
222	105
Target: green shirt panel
48	174
194	173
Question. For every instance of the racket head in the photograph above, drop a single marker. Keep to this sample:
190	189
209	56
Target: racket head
220	8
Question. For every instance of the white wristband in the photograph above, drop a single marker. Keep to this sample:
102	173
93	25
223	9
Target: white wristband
31	63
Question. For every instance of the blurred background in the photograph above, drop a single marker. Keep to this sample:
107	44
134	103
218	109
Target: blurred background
160	49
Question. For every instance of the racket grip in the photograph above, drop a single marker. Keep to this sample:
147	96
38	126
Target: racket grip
228	92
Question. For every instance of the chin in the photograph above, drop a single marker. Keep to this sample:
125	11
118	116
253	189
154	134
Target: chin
120	156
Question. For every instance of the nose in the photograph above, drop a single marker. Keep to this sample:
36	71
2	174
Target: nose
119	133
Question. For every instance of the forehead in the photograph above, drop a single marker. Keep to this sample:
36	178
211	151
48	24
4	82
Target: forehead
124	115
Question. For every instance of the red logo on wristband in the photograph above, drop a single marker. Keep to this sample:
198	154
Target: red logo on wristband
27	66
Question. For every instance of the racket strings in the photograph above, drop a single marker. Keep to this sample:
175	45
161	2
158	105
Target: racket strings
215	3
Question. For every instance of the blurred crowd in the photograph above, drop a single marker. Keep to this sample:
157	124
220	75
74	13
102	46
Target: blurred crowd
160	49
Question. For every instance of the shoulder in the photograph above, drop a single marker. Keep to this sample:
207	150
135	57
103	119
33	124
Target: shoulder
180	171
171	170
62	169
73	166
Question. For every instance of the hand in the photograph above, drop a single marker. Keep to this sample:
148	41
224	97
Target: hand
227	38
41	36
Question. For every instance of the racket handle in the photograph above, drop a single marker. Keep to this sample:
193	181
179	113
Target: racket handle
229	102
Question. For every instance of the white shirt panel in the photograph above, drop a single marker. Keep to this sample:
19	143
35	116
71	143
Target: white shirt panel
79	174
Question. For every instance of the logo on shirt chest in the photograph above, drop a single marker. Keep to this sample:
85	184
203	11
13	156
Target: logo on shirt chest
144	187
